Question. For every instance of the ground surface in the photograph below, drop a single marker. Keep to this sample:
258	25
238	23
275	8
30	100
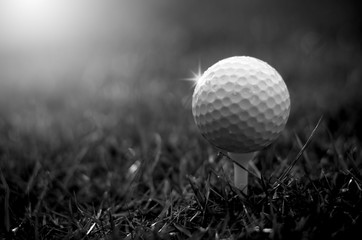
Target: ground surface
122	158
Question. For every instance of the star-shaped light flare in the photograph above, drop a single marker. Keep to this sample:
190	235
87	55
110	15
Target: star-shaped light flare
195	75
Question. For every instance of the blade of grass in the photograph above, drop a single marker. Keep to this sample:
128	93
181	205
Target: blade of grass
199	198
77	161
287	171
152	167
33	176
305	155
6	201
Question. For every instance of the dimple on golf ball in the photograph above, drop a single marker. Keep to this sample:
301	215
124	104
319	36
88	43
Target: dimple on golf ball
240	104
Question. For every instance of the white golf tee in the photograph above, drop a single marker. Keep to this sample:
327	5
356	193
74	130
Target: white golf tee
240	174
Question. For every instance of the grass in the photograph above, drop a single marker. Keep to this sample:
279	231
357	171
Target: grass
172	185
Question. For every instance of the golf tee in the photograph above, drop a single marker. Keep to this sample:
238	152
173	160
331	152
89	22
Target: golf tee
240	172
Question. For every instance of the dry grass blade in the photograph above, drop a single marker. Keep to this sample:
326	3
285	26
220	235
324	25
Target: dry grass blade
6	202
287	171
77	161
305	155
199	196
150	169
33	176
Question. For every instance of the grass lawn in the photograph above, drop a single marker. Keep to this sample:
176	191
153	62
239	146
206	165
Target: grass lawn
122	158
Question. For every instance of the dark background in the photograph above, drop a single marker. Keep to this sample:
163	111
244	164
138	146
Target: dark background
119	66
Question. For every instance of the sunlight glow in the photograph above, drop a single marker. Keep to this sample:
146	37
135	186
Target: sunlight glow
51	45
27	22
35	24
31	13
33	7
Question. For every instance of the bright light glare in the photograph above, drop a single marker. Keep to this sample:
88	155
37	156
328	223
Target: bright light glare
35	23
30	21
45	44
31	13
31	7
196	75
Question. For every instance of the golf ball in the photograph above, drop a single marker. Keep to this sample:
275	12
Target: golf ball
240	104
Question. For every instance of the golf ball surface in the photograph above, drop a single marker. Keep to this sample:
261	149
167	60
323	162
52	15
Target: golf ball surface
240	104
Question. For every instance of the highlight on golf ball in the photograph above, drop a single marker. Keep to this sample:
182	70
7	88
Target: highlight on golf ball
240	104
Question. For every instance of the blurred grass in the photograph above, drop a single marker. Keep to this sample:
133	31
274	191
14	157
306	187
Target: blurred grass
117	155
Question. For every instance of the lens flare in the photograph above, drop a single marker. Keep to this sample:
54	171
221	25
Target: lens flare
195	75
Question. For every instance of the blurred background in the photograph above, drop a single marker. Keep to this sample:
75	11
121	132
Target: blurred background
74	71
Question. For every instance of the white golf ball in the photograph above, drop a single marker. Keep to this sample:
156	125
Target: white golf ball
240	104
